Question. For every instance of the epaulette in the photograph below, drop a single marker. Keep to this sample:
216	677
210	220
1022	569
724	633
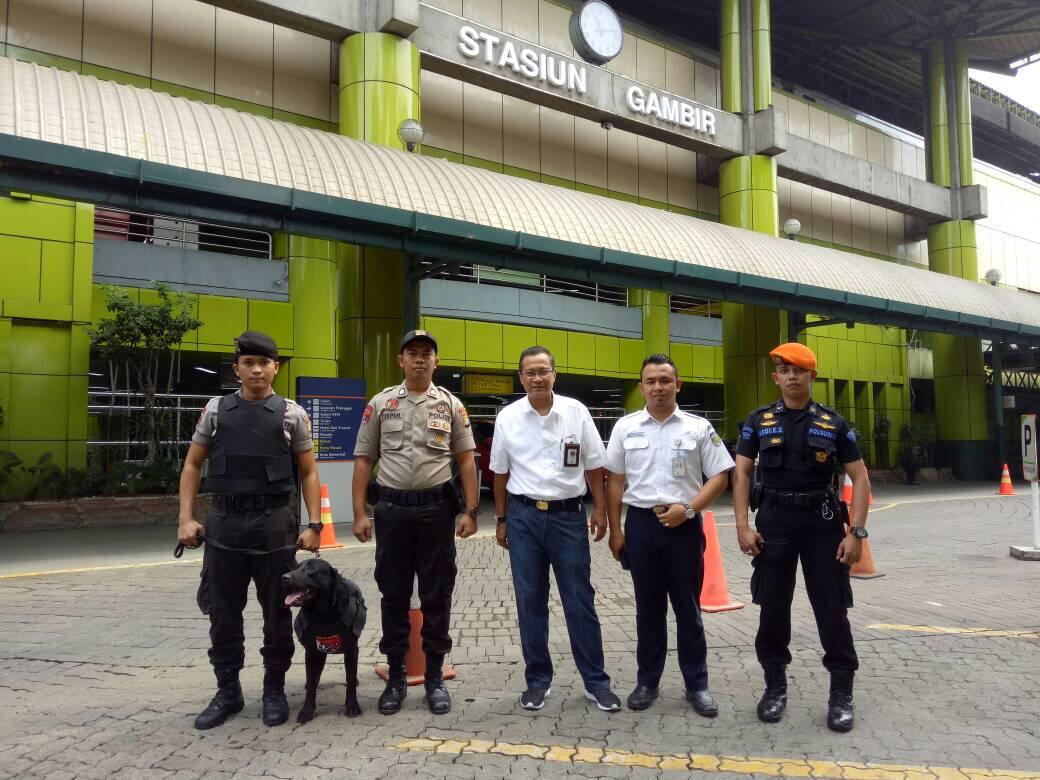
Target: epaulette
764	408
387	389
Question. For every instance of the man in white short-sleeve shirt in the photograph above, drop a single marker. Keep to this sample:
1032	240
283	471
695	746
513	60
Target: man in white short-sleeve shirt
676	466
545	449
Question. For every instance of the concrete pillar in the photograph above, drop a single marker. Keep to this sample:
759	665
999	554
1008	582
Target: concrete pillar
313	286
747	199
960	378
379	88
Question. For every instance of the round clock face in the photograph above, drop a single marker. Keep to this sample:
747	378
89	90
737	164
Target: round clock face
596	32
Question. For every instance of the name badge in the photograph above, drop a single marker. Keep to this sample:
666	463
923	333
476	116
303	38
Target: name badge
571	455
679	460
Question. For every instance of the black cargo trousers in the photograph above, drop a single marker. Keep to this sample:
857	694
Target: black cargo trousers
226	575
810	534
415	539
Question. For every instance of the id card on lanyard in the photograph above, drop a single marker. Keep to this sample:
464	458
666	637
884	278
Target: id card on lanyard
678	460
571	453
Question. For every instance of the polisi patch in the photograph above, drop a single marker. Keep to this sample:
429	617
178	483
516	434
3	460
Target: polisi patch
815	431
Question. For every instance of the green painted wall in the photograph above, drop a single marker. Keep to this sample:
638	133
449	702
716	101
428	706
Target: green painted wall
47	246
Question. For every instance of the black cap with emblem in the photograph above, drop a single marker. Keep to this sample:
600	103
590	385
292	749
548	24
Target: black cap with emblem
253	342
418	335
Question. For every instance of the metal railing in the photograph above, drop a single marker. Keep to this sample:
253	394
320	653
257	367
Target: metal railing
483	274
122	423
160	230
699	307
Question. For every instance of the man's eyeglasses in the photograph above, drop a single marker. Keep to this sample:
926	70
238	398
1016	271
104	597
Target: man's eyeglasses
540	373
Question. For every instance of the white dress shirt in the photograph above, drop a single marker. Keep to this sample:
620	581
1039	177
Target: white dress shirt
665	462
530	448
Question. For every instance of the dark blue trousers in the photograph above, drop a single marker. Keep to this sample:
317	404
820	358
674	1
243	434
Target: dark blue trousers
538	540
667	564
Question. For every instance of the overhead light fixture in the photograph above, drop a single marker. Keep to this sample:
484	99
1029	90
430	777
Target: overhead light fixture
205	370
411	133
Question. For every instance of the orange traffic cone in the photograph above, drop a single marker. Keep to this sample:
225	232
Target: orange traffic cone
328	530
870	494
865	568
1005	483
714	592
846	490
415	659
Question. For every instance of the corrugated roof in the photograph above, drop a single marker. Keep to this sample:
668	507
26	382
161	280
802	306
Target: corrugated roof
83	112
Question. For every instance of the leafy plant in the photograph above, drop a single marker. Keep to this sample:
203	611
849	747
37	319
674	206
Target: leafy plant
130	478
25	482
140	338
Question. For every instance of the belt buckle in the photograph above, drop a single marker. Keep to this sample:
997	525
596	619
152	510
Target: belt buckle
543	505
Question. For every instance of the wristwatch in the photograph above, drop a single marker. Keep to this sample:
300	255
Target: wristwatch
690	511
500	518
473	511
316	527
859	532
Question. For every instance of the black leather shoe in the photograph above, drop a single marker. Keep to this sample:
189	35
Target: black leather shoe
274	706
437	697
396	687
840	712
703	703
226	703
642	697
774	700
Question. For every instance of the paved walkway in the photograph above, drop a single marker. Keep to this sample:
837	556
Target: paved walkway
102	671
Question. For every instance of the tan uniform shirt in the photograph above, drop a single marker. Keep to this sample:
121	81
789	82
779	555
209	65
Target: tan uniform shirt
414	436
295	423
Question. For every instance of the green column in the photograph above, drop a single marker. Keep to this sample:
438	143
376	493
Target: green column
747	199
960	378
379	88
313	287
656	309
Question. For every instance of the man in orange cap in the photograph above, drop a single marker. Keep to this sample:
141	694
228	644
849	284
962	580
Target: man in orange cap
801	447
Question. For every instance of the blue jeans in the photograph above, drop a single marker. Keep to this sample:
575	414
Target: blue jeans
537	540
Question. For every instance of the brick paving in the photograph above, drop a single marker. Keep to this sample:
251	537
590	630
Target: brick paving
102	672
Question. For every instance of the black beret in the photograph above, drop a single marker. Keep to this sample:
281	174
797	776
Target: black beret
418	335
253	342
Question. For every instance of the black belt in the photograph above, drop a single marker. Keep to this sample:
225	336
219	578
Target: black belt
412	497
250	502
807	499
560	505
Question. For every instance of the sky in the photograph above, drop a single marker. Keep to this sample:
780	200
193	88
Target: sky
1024	87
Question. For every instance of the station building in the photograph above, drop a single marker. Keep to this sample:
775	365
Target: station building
253	153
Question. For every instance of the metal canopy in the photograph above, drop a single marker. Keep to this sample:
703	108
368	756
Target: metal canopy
867	54
76	136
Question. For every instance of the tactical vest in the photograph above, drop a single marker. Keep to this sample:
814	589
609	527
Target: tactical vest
250	453
820	446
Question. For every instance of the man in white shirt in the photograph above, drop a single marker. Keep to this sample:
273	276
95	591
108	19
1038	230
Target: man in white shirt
676	467
544	449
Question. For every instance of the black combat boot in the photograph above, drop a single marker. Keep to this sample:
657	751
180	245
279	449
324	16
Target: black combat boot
774	699
275	706
396	686
437	697
839	707
226	703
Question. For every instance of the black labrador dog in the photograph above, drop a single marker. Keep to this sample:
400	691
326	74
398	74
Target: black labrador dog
331	618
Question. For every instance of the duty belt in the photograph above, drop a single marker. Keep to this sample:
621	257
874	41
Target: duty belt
411	497
807	499
561	505
250	502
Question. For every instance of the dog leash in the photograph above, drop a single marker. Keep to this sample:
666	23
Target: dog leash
178	551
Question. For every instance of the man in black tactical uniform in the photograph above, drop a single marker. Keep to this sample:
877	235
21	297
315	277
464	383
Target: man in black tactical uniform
251	438
800	445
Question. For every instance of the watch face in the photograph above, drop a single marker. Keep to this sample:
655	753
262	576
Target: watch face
600	32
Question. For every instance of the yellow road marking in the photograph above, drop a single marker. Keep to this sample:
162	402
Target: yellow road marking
957	630
687	762
95	568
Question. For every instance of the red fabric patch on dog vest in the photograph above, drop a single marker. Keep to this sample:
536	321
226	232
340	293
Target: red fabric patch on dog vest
330	645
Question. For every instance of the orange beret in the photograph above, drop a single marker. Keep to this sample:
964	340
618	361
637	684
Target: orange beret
796	354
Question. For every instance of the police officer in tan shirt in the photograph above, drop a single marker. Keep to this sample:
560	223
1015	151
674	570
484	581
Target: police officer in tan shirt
415	430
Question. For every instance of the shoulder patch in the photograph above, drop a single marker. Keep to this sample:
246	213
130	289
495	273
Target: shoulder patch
851	436
746	432
716	440
367	415
464	415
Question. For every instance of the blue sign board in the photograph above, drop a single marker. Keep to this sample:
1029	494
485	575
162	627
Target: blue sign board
335	407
